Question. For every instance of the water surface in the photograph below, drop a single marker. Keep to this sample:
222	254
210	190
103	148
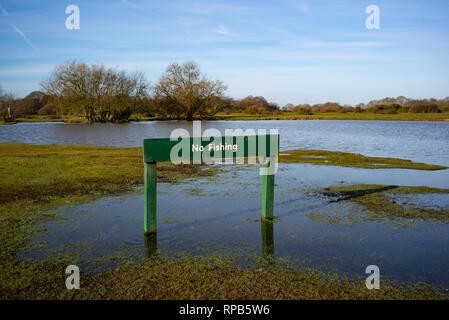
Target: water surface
216	214
417	141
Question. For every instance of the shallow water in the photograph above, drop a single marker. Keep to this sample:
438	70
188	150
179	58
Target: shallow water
417	141
216	215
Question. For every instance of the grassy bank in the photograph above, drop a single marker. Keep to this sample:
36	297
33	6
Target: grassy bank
281	116
339	116
216	278
35	172
37	178
355	160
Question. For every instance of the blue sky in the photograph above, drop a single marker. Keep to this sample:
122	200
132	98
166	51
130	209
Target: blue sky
287	51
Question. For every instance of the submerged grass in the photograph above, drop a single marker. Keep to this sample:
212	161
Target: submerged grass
345	159
391	202
35	172
218	278
37	178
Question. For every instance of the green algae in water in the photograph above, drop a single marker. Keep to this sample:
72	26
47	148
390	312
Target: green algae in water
38	279
395	203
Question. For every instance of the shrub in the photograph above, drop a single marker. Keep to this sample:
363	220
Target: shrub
385	109
303	111
251	110
25	107
404	109
430	108
48	109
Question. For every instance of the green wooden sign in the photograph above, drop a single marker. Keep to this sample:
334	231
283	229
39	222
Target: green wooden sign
194	150
214	148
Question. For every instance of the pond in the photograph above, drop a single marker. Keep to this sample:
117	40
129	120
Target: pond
219	214
417	141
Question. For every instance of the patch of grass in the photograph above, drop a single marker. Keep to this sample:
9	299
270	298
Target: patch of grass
202	278
217	278
47	118
345	159
37	178
274	220
390	202
2	122
36	172
198	192
444	116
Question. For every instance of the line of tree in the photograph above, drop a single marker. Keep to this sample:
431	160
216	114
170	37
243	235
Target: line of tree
103	94
384	106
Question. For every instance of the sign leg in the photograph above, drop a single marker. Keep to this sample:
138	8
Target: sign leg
150	197
267	191
150	245
266	228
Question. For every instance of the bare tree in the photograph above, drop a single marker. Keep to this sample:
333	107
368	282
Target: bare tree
6	105
101	94
183	92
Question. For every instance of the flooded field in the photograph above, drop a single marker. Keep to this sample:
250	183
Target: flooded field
221	214
217	215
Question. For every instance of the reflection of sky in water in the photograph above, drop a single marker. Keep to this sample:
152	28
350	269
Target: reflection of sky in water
211	214
428	201
417	141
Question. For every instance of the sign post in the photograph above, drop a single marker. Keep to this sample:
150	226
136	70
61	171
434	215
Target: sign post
150	197
267	190
188	149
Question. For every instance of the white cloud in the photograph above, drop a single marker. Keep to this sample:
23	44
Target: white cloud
224	30
28	70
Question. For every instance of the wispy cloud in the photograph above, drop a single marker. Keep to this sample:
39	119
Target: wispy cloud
25	38
30	69
3	10
301	7
224	30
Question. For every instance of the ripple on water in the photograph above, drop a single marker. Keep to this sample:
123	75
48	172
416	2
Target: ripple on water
223	218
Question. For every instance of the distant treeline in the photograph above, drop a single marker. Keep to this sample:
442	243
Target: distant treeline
103	94
384	106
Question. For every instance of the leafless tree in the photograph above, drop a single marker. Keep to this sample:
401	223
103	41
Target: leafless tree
183	92
101	94
6	105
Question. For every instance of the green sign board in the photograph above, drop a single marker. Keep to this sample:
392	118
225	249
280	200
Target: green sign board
190	149
264	148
